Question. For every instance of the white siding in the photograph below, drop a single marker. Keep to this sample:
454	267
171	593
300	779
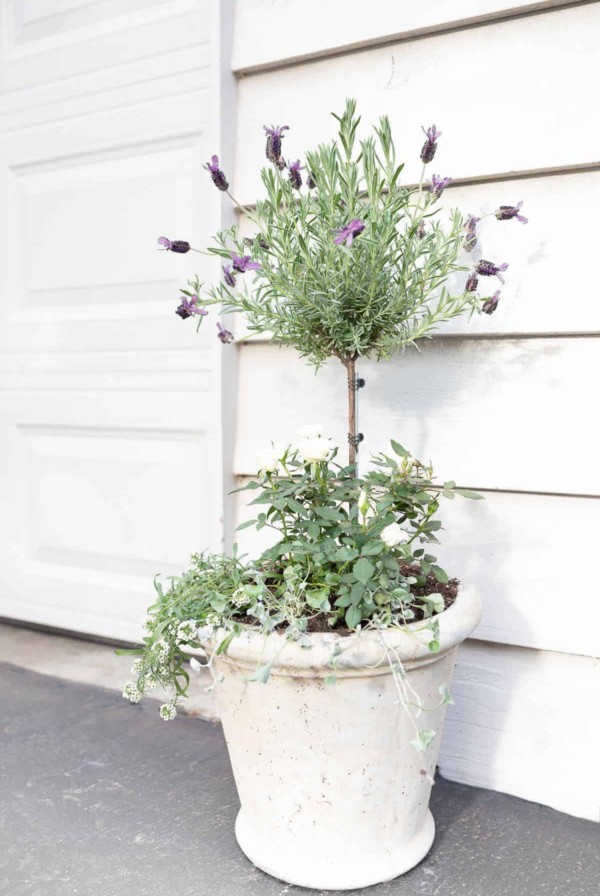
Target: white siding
500	404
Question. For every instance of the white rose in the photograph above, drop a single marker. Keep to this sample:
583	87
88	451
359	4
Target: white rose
393	535
311	431
315	450
268	460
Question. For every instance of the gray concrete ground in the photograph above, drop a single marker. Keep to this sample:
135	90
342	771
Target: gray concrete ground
102	798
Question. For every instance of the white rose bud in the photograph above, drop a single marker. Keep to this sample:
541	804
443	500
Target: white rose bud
268	460
393	535
315	450
363	507
311	431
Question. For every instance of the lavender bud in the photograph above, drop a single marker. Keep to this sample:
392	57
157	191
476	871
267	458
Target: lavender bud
489	269
180	246
420	231
226	336
438	185
471	284
228	275
217	176
274	138
506	212
295	177
490	305
310	181
471	233
430	145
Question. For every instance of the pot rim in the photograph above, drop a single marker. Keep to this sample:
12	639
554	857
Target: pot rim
362	653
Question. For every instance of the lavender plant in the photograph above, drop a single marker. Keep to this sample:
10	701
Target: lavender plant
347	260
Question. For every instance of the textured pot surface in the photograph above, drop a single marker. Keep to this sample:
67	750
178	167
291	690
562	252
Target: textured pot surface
332	794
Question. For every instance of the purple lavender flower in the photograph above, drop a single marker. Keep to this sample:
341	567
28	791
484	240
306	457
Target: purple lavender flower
430	145
179	246
228	275
295	177
347	233
471	233
310	181
274	138
506	212
218	178
189	307
226	336
249	241
490	305
489	269
243	263
472	281
438	185
281	163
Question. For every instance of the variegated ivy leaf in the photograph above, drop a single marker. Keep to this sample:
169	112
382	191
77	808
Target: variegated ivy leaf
423	739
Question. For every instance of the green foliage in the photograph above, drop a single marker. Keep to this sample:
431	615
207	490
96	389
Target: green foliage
329	564
382	292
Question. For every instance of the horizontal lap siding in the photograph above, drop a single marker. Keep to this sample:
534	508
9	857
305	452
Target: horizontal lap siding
503	95
492	404
522	723
504	414
271	34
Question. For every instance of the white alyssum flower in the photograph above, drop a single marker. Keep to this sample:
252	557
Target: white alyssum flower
148	623
162	649
150	682
311	431
239	598
269	460
168	711
393	535
186	631
132	692
315	449
137	666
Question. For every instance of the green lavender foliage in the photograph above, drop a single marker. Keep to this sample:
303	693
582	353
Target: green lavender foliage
383	292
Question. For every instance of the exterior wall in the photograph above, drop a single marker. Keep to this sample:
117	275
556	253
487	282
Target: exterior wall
107	399
500	404
120	425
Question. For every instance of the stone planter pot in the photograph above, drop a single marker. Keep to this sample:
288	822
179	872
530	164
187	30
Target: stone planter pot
332	794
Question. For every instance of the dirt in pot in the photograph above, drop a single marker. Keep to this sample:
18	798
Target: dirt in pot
426	584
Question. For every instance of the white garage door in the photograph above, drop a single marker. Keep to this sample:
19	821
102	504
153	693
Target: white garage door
109	403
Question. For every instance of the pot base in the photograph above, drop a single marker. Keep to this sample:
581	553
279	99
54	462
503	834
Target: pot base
347	872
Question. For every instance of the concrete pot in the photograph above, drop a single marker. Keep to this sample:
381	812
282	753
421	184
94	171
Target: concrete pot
332	795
